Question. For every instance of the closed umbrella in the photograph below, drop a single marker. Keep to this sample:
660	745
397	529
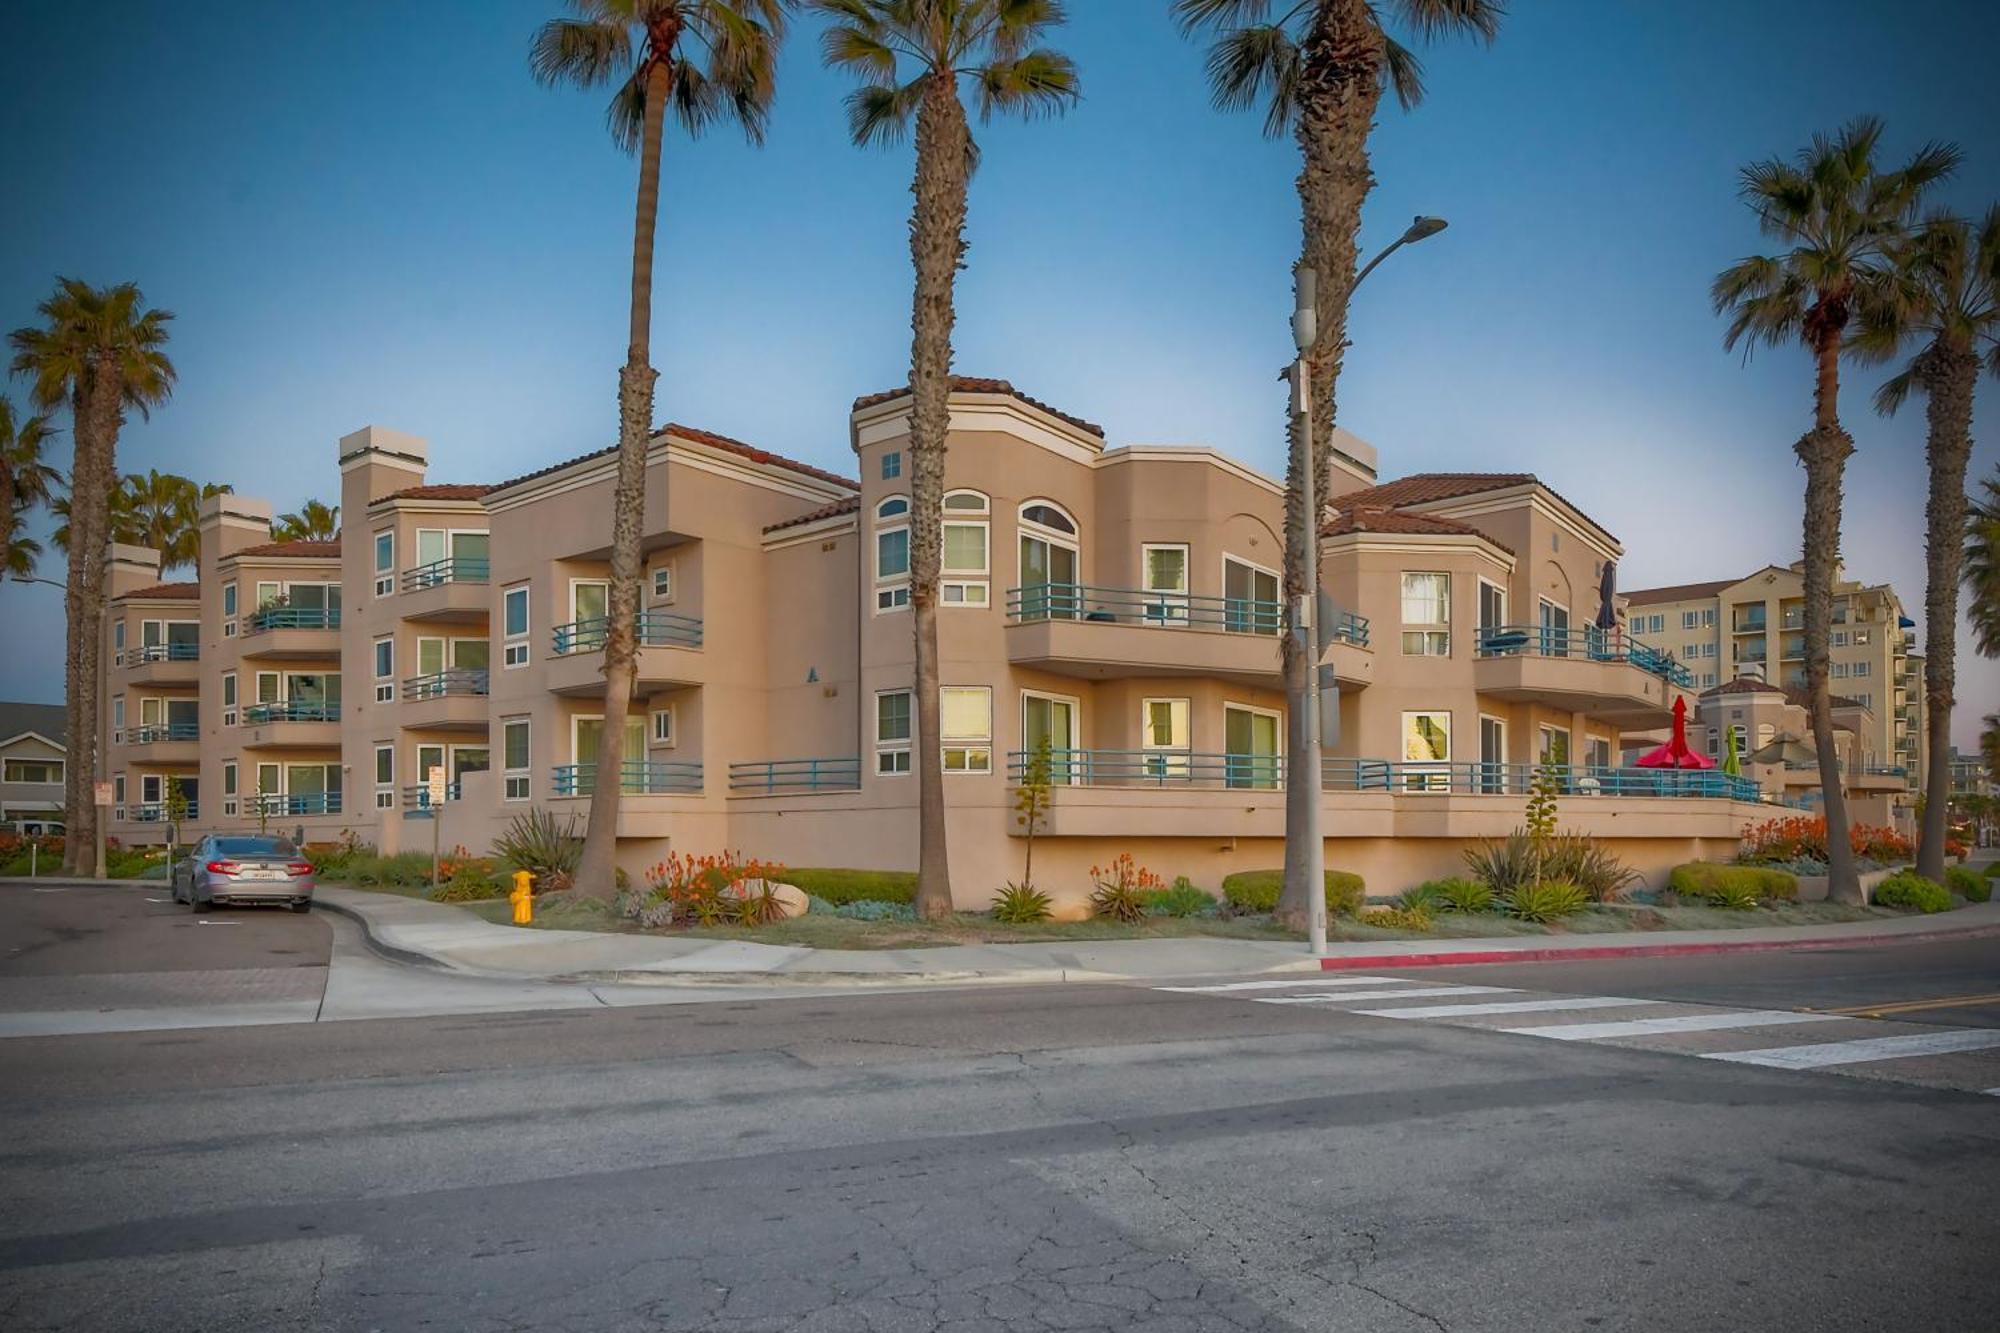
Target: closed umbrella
1731	763
1607	590
1675	753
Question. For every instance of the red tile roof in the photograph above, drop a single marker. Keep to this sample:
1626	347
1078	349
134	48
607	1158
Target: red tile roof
303	550
1425	487
1678	592
182	592
1402	521
1743	685
1796	695
974	384
848	506
737	447
439	492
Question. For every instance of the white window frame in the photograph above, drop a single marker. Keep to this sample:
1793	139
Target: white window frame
1690	620
230	787
118	795
1278	579
1426	776
662	582
385	793
575	584
1068	774
385	682
892	464
1863	668
1171	760
385	575
966	586
1484	584
666	736
514	646
1432	634
516	783
1277	781
896	751
117	719
1166	606
892	591
55	765
229	609
118	641
973	748
231	699
1491	784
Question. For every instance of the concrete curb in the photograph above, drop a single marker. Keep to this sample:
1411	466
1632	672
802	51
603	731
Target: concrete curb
1039	976
376	944
1601	952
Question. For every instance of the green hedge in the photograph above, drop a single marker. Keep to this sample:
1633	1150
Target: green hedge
1709	881
1258	890
1906	888
853	886
1968	884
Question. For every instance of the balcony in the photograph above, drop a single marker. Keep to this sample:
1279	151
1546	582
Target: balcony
156	812
1484	779
446	700
417	800
290	724
448	591
281	805
166	742
1106	633
1751	624
162	664
790	777
669	648
292	633
1793	649
1579	671
641	778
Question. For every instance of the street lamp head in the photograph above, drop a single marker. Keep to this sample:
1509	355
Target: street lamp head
1421	226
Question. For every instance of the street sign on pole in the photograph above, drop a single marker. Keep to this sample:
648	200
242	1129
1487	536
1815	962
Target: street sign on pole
434	797
101	793
434	785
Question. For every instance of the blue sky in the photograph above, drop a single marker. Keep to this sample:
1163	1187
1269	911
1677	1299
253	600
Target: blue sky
366	212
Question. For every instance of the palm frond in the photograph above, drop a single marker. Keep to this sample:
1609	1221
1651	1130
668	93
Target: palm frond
1041	82
1194	15
878	116
854	47
1249	65
1894	392
1404	72
1432	19
585	52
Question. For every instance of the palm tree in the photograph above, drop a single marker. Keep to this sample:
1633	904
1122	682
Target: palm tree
1946	293
25	480
1989	744
1982	568
909	56
1318	71
1836	216
314	521
102	352
163	511
641	46
18	556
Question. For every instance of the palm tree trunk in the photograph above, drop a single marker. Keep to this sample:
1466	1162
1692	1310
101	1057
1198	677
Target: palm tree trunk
937	242
1949	375
96	426
597	873
1824	452
7	501
1343	87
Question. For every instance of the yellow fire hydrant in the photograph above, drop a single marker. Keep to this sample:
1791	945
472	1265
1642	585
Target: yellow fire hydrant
523	897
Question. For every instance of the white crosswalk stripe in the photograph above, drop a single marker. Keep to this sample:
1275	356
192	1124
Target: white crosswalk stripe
1824	1054
1413	992
1650	1027
1507	1007
1292	984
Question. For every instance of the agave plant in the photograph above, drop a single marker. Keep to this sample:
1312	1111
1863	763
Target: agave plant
1550	900
1020	905
535	840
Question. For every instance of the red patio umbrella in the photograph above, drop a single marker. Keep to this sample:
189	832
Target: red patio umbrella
1675	753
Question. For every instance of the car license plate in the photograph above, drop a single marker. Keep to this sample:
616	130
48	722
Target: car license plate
263	872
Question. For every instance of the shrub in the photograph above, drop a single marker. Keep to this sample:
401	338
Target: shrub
1396	918
759	906
849	886
1549	900
1967	884
534	840
1735	887
1425	897
1992	869
1575	859
865	909
1805	836
1182	900
1122	889
1908	889
405	870
1020	904
1258	890
1463	895
721	889
1503	864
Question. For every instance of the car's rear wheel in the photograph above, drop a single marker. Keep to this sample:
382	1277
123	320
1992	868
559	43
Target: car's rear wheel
302	907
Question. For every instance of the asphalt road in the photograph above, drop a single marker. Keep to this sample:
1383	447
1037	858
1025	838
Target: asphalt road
1086	1157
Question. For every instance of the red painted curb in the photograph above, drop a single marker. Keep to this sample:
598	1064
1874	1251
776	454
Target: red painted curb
1474	957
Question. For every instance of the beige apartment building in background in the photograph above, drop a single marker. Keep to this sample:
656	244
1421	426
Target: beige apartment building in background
1119	605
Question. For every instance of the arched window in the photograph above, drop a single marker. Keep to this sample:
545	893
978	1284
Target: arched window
965	502
892	554
1049	585
967	550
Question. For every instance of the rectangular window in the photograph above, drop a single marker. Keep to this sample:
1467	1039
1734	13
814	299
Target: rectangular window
892	569
228	610
118	640
385	777
267	593
966	721
39	772
385	670
892	464
1690	620
1862	637
514	757
663	583
663	726
1166	738
1554	746
966	565
1426	615
1164	574
1863	668
1427	751
1838	670
1254	757
1708	649
1250	598
514	626
1839	638
1865	700
894	725
1492	606
118	793
385	563
117	718
229	698
229	787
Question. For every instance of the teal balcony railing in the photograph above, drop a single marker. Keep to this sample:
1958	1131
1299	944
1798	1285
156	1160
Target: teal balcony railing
291	617
641	778
157	732
452	569
258	715
1590	644
440	684
769	776
657	629
1155	768
283	805
163	652
1168	610
1494	779
155	812
417	799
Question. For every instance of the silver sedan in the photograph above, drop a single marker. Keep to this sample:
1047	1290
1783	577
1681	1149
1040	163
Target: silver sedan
243	868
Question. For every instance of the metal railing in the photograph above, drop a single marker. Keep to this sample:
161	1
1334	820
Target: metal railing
283	805
641	778
155	812
767	776
439	684
1756	624
161	652
1589	644
291	617
1155	768
416	799
451	569
155	732
657	629
1168	610
258	715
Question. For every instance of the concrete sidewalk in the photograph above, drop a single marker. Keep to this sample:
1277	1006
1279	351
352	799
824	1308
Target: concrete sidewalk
440	935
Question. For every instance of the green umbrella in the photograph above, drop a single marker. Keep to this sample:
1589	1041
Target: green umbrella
1731	765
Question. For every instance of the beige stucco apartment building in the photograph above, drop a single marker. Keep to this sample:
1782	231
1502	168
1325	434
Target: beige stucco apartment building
1120	605
33	760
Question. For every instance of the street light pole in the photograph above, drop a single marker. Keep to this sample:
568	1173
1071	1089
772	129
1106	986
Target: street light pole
1420	227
